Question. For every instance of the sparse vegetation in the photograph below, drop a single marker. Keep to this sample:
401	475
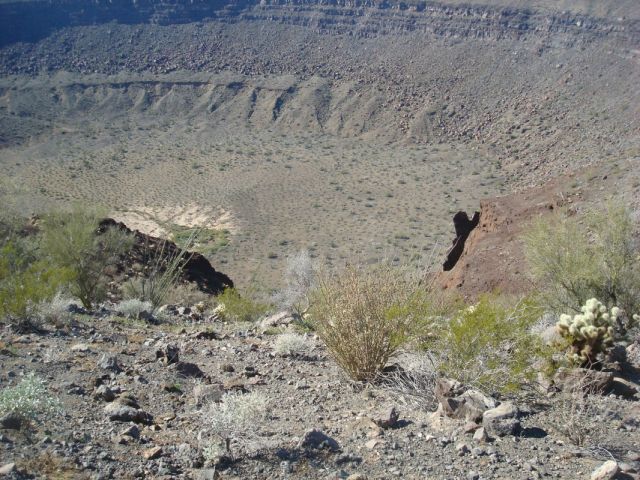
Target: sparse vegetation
55	310
161	278
26	279
133	307
29	399
300	277
235	419
576	258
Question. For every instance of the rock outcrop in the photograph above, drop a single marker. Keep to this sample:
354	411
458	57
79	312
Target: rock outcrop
492	256
197	269
32	20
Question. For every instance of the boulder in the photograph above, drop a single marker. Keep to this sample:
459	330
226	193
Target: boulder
461	403
315	440
607	471
167	353
502	420
388	418
583	379
280	319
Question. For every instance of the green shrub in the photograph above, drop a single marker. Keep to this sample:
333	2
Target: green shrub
72	241
364	315
25	281
236	308
574	259
490	346
30	399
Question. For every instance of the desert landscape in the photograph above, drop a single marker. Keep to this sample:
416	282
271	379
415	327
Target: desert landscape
285	142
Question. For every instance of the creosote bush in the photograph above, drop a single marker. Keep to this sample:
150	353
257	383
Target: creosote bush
365	315
30	399
596	255
72	241
489	345
236	308
26	279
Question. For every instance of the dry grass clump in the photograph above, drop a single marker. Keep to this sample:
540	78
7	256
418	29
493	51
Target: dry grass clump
364	315
234	419
292	344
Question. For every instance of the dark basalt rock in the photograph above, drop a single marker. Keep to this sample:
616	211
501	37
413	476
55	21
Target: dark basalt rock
197	268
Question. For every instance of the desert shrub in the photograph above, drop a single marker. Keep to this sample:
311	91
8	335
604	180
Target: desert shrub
189	294
292	344
234	419
490	346
236	308
133	307
72	241
579	413
365	315
26	281
30	399
574	259
55	310
300	276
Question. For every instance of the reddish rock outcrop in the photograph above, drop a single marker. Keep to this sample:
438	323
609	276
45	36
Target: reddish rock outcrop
492	257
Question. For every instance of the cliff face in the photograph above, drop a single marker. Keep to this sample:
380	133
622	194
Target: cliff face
31	20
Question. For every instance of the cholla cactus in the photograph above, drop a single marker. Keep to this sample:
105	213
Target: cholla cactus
590	333
219	311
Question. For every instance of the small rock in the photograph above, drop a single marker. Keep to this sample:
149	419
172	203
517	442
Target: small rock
11	421
104	393
152	453
133	431
110	362
80	347
315	439
623	387
8	468
280	319
462	449
203	394
480	435
388	419
167	353
124	413
357	476
607	471
187	369
502	420
227	368
371	444
586	379
472	475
